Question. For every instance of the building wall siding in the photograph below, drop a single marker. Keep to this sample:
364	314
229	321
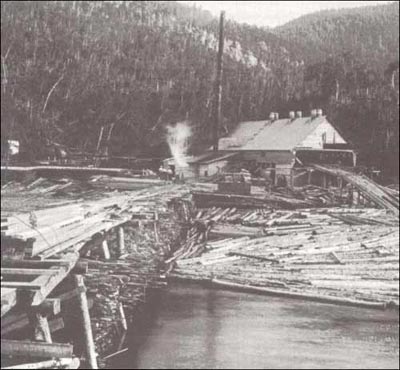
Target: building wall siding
277	157
212	168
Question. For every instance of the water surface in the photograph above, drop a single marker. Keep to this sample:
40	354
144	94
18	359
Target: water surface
195	327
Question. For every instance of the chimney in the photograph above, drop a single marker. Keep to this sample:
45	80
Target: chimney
292	115
299	114
313	113
319	112
276	115
272	116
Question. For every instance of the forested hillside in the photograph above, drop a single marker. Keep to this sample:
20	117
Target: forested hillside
68	68
371	33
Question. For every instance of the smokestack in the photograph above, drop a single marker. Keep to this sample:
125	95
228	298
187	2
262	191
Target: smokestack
292	115
313	113
319	112
299	114
218	83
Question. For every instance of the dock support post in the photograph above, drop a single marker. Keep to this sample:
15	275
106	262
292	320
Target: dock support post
104	247
156	227
40	326
324	182
87	329
121	241
122	316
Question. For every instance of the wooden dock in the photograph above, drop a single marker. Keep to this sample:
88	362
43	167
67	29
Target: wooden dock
44	279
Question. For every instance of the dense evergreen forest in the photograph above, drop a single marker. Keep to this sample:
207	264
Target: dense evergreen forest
70	67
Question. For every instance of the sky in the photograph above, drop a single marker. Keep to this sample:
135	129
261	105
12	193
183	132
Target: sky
274	13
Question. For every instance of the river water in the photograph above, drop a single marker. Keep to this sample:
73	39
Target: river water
189	326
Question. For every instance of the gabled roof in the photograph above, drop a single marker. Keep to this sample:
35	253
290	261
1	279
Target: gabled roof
282	134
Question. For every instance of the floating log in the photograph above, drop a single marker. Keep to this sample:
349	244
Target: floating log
317	298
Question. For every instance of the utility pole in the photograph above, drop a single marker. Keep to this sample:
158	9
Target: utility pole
218	84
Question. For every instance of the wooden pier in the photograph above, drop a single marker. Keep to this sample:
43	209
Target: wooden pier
46	280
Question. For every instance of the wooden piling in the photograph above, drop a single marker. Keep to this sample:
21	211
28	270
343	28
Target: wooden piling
122	316
121	241
309	173
41	329
324	181
156	227
87	329
106	251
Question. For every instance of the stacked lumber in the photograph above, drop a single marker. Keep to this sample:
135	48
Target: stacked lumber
50	231
54	230
124	183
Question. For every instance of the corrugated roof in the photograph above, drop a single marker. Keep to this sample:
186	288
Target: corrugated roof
282	134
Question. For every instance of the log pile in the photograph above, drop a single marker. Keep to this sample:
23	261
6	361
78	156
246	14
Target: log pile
282	198
335	255
208	199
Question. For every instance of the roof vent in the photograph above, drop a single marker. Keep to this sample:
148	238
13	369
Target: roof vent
319	112
313	113
292	115
299	114
272	116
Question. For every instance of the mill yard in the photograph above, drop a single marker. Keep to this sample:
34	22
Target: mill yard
85	250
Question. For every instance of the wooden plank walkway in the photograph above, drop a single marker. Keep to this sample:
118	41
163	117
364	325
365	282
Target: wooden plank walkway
30	286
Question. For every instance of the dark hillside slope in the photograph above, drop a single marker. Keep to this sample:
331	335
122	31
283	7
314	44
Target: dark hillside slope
371	33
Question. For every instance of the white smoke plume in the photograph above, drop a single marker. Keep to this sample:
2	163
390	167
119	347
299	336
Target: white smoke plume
178	141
